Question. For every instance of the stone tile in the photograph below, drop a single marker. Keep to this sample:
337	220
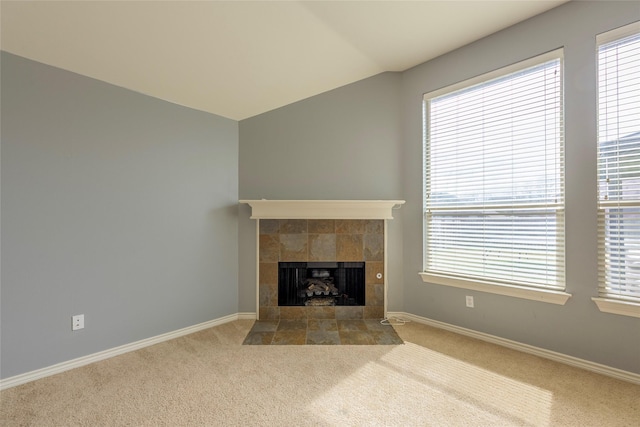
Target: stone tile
323	338
259	338
294	313
293	247
375	325
356	338
373	247
350	226
264	298
355	240
323	312
349	247
293	226
349	312
268	295
373	312
351	325
292	325
268	273
374	294
269	226
269	313
321	332
265	326
372	268
269	248
389	337
322	247
322	226
322	325
290	337
374	226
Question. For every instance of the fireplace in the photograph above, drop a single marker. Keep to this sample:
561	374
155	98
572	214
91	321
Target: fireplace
348	234
333	248
320	284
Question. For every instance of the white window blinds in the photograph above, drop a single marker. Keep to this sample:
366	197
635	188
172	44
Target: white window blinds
619	164
494	178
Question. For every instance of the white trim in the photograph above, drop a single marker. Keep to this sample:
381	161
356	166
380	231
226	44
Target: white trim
618	33
116	351
587	365
552	297
322	209
525	348
385	267
258	270
247	316
500	72
604	303
623	308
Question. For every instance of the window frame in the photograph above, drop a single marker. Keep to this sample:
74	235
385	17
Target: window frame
609	302
490	286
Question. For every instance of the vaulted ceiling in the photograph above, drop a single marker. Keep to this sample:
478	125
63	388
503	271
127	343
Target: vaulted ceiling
238	59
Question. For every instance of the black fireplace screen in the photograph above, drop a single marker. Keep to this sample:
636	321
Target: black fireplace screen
321	283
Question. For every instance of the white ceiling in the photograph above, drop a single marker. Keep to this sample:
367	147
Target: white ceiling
238	59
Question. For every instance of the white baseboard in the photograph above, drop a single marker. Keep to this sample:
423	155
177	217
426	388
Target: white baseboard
102	355
525	348
247	316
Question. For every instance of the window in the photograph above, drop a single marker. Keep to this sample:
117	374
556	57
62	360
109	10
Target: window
494	182
619	166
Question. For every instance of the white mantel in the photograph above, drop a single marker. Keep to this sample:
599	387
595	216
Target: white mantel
322	209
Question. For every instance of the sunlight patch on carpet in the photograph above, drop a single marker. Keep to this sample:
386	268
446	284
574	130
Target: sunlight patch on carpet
411	383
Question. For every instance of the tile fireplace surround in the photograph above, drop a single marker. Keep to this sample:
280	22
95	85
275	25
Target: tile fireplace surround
321	230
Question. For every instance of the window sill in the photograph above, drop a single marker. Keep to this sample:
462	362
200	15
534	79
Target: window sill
623	308
552	297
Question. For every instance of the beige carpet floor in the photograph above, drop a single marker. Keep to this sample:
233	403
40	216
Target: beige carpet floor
436	378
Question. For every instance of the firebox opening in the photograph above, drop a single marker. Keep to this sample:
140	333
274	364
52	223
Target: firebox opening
321	283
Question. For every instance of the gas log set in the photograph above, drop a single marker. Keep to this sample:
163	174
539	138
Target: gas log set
321	283
319	289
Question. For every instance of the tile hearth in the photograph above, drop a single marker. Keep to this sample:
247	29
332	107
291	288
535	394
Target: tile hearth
322	332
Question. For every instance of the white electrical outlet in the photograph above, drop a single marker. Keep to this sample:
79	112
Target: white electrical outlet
77	322
469	301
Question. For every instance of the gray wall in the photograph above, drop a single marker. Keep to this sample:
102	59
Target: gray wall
124	207
343	144
277	150
115	205
577	329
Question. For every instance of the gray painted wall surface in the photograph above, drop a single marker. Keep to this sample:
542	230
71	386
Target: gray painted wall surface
578	328
339	120
343	144
123	207
115	205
